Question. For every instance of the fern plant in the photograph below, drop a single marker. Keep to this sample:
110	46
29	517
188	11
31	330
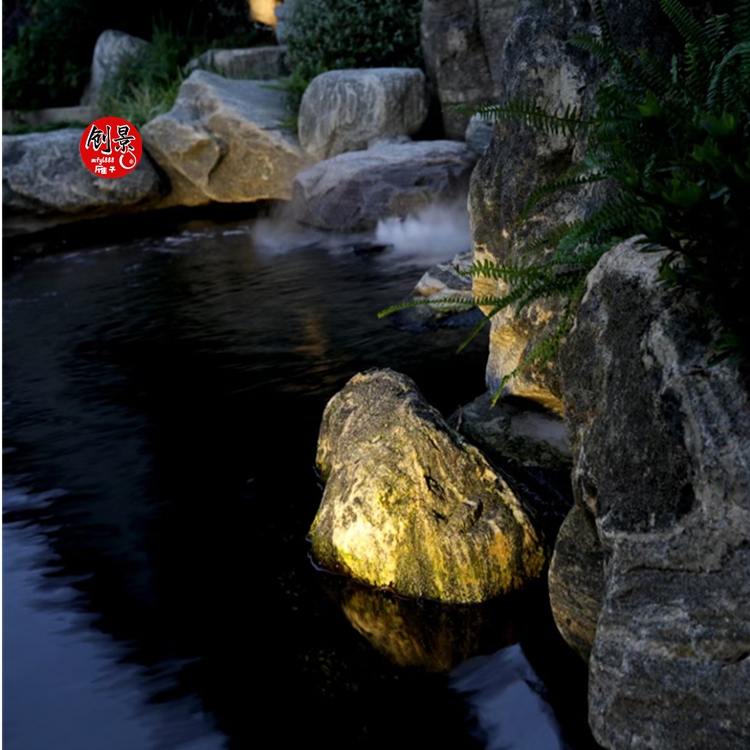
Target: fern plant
675	141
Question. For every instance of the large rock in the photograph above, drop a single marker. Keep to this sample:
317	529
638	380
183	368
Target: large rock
539	63
45	183
462	46
223	141
661	442
346	110
111	50
353	191
254	63
409	505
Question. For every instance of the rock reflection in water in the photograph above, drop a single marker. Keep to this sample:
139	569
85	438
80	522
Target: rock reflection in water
507	700
425	634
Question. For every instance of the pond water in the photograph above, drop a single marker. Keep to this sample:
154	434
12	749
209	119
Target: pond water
162	396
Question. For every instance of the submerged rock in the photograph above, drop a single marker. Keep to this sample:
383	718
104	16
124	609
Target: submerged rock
346	110
661	443
224	141
353	191
411	506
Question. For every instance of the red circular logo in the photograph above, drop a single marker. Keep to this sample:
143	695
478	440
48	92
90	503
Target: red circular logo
111	147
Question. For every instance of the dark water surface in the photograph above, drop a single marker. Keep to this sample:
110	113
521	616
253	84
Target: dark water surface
162	398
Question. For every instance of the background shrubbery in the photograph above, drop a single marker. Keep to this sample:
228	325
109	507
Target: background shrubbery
48	44
334	34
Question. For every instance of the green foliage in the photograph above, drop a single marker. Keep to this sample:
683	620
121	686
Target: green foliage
675	141
146	83
327	35
47	55
44	68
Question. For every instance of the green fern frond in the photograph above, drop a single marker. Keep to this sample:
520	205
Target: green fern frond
456	301
565	182
569	121
687	26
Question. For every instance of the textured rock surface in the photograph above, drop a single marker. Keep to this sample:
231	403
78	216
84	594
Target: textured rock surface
662	462
45	183
353	191
345	110
576	580
538	63
223	141
111	49
479	134
410	505
255	63
462	47
519	431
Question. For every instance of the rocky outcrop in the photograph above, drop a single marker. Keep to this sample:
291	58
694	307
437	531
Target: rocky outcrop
479	134
661	442
462	46
538	63
223	141
353	191
45	183
255	63
409	505
347	110
111	50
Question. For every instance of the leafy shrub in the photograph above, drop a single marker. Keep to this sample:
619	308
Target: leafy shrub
49	60
334	34
676	143
44	68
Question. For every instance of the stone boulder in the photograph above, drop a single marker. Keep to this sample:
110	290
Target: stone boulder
462	46
478	134
256	63
223	141
441	281
518	431
538	63
411	506
45	183
353	191
111	50
661	443
346	110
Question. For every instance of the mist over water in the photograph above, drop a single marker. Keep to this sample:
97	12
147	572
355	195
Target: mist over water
436	232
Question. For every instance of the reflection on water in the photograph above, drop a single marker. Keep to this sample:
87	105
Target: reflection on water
507	701
162	398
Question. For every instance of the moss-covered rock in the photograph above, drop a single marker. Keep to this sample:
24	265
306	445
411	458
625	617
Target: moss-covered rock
410	505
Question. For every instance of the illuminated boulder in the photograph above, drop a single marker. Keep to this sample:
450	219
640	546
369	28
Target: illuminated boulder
410	505
347	110
224	141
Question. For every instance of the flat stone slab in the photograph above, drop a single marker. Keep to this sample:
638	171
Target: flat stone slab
254	63
353	191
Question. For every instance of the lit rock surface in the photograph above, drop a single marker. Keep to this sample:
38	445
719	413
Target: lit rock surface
223	141
45	183
661	444
346	110
111	50
538	63
410	505
353	191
